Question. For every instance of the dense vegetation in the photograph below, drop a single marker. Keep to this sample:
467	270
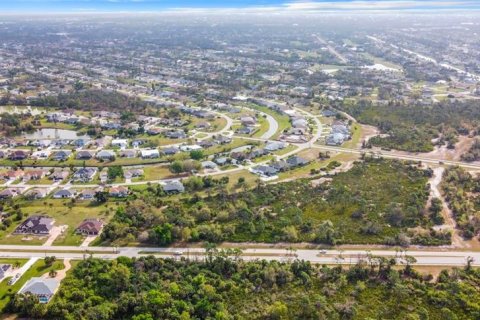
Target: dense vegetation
13	124
225	288
91	100
473	153
412	127
377	201
462	192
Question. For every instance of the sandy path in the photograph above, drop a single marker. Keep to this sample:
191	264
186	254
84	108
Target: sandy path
61	274
54	233
447	214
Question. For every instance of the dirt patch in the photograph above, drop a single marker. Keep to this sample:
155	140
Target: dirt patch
442	153
367	133
450	223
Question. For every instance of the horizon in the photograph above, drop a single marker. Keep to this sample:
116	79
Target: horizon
234	6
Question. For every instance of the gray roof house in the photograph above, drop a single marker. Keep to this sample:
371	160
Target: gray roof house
62	155
61	194
35	225
296	161
44	289
174	187
84	155
84	174
265	170
105	155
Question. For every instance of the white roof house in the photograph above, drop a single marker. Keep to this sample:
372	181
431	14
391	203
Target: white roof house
149	154
190	147
122	143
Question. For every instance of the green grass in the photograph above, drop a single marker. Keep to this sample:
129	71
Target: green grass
36	270
58	209
282	120
356	131
263	127
156	173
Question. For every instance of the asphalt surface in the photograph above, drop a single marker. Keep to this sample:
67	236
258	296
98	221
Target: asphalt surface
422	257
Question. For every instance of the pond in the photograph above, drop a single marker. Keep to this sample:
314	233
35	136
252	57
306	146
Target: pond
49	133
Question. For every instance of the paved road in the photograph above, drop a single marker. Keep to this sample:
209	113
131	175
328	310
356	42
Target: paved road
272	126
423	258
394	155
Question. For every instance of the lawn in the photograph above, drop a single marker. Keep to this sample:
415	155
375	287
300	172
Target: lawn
36	270
263	127
282	120
44	180
59	210
156	173
356	131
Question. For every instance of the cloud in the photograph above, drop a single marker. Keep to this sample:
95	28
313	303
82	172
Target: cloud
355	5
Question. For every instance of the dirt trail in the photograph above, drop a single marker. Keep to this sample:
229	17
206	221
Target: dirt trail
450	224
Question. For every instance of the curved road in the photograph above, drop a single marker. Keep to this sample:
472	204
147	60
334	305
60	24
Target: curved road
272	127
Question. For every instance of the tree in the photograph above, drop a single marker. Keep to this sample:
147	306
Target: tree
196	154
277	311
113	172
49	260
100	196
176	167
161	235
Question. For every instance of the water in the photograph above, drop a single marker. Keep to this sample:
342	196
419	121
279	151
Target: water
49	133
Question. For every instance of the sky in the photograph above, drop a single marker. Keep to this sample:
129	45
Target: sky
38	6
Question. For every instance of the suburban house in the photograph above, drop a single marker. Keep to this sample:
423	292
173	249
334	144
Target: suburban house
264	170
33	175
175	134
127	154
87	194
43	288
62	155
170	150
203	125
90	227
84	174
121	143
59	175
222	139
339	134
275	146
18	155
248	121
133	173
36	193
154	131
3	269
175	186
14	174
150	154
118	191
9	193
84	155
246	130
296	161
35	225
209	165
62	194
105	155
